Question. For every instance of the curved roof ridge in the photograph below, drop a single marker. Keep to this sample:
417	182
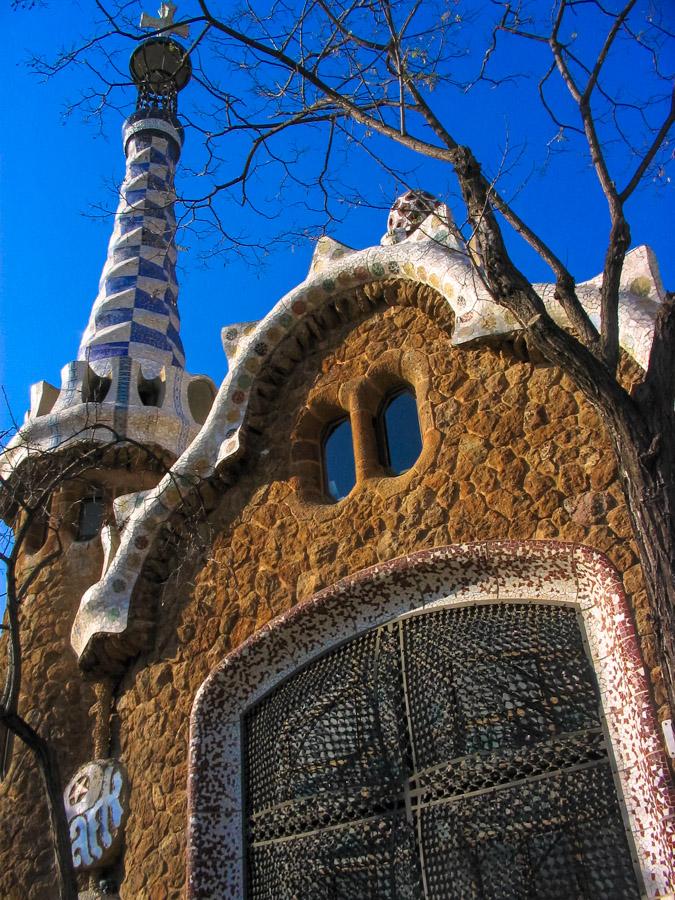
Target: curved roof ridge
105	607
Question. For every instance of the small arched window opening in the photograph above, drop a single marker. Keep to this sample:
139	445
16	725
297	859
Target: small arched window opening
38	529
398	432
151	390
90	522
95	387
339	470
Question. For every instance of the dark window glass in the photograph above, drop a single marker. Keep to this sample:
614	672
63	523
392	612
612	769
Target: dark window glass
338	460
399	433
91	518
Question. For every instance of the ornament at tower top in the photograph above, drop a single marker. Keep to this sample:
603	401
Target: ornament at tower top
160	65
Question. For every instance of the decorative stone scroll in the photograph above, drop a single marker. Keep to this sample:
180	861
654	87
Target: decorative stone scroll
96	807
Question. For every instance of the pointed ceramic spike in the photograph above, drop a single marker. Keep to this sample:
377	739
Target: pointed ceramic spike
233	336
640	275
326	251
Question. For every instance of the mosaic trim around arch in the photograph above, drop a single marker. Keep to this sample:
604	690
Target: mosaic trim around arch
465	574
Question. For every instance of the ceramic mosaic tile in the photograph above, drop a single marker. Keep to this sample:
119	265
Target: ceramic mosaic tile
133	334
136	311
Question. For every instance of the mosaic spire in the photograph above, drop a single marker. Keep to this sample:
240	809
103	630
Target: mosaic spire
129	375
135	314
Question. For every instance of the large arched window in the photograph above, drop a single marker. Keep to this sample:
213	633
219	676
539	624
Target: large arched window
339	471
456	753
398	432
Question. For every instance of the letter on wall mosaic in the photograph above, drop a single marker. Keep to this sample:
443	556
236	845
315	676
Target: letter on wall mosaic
96	807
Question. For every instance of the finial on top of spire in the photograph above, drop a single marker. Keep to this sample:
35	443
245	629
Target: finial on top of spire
164	21
160	65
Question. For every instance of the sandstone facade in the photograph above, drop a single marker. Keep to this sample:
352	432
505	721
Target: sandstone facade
510	451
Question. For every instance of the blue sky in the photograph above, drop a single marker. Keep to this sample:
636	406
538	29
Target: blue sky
56	173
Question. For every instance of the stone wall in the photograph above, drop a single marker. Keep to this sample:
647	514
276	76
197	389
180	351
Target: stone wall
57	703
54	698
511	450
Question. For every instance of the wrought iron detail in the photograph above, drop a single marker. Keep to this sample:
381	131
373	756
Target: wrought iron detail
456	753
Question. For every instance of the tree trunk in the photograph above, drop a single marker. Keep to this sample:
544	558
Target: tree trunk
648	500
48	765
648	488
641	427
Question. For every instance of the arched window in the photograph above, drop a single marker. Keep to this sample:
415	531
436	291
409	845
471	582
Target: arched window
339	471
398	432
38	530
456	753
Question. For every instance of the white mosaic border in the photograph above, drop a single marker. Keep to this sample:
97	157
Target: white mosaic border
489	572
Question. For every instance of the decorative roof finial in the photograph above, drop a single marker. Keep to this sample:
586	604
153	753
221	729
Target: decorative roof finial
164	21
160	66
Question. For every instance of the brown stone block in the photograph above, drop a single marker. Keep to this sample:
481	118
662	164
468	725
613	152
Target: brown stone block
545	530
473	508
650	650
509	429
540	382
587	417
658	685
484	423
546	506
570	531
537	485
572	479
561	403
516	395
622	553
495	526
604	472
632	579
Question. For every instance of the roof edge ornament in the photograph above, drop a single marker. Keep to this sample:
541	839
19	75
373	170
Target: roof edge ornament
420	216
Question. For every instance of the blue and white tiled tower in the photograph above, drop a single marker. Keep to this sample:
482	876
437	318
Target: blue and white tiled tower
129	375
135	314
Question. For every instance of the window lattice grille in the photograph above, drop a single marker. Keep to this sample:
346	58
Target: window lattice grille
452	754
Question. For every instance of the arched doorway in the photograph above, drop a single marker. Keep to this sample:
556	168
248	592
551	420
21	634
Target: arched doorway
571	583
453	753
